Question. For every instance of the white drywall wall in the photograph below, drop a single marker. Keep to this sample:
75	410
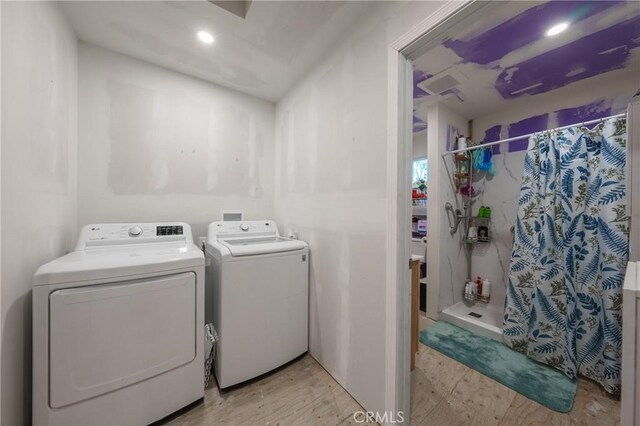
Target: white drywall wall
157	145
39	136
331	186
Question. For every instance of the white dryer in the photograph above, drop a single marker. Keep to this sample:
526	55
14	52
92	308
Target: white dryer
118	327
257	297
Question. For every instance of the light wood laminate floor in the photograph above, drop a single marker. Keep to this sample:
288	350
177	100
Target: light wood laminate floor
301	393
443	393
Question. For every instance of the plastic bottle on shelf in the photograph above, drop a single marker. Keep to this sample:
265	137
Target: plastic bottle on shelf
486	289
479	285
462	142
472	232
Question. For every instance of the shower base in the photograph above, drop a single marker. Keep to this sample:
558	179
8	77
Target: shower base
488	324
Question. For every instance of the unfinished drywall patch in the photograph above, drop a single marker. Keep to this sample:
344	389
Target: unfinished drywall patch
166	143
153	141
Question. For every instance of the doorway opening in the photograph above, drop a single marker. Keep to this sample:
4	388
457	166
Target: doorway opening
468	87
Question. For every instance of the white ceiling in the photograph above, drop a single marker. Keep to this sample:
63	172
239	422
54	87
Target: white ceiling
262	55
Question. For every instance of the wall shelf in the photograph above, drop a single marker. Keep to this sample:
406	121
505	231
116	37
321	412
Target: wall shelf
419	210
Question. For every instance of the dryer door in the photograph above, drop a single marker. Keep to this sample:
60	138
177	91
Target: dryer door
104	337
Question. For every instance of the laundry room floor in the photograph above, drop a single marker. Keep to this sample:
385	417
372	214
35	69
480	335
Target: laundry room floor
300	393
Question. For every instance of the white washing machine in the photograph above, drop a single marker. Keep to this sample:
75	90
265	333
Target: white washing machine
118	327
257	298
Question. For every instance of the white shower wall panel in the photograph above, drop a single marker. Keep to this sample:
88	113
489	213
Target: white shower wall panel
501	192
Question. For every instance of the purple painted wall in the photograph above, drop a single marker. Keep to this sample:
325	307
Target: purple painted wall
588	112
526	126
564	117
492	134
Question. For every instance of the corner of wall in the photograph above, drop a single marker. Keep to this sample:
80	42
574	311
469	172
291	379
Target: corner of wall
38	178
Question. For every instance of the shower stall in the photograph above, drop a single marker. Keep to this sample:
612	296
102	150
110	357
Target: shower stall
471	190
478	232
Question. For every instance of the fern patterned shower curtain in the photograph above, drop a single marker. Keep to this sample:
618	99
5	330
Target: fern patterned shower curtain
564	295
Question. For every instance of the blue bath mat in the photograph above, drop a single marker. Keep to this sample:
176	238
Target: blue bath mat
536	381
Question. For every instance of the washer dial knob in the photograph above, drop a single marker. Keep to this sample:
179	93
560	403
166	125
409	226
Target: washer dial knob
135	231
244	227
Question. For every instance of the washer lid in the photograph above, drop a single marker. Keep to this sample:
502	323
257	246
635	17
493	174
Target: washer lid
118	262
261	245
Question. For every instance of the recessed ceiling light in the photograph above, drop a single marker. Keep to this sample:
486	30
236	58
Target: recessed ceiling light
557	29
205	37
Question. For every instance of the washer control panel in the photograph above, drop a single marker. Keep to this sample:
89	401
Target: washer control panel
135	231
130	233
252	227
169	230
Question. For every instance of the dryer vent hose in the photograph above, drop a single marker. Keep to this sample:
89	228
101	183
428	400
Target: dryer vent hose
210	342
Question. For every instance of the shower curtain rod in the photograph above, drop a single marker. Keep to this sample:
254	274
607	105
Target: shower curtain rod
516	138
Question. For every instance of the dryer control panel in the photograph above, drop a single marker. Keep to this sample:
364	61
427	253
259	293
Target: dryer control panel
108	234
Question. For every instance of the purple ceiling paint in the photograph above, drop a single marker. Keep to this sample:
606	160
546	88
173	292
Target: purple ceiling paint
418	77
568	116
524	127
601	52
523	29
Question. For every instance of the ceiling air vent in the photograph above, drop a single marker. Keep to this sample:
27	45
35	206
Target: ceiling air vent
442	82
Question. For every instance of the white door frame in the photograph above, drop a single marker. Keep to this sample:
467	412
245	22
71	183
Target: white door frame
1	313
399	145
